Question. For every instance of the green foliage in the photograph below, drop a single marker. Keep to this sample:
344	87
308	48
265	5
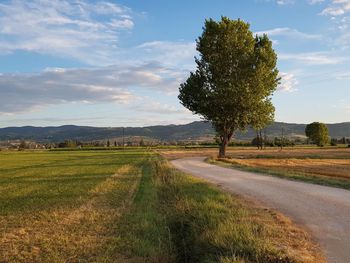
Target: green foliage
68	144
142	143
318	133
334	142
235	78
22	145
283	142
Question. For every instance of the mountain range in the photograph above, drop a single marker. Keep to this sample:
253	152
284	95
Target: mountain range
195	131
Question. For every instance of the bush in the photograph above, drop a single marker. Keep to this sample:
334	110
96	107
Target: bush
334	142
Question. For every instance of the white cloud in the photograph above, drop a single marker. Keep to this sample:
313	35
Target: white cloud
177	53
87	31
313	58
149	105
119	84
313	2
288	32
288	82
337	8
285	2
281	2
343	76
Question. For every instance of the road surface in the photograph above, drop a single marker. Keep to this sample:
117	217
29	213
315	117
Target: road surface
324	211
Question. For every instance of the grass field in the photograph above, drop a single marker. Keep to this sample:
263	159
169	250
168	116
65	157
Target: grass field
327	166
131	206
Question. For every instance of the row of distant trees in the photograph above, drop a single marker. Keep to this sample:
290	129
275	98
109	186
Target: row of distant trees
260	142
316	132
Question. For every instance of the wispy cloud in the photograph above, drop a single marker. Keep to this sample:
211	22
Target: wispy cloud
117	84
289	82
313	58
87	31
281	2
285	2
337	8
151	106
313	2
171	53
288	32
343	75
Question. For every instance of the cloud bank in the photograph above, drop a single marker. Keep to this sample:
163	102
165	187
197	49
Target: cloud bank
87	31
117	84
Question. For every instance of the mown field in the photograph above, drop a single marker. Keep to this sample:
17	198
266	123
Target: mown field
327	166
131	206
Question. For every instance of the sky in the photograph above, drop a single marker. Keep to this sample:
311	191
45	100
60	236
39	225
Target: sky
120	63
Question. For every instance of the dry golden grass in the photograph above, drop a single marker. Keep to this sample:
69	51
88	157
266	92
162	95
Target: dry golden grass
329	162
182	153
76	234
291	152
322	167
269	152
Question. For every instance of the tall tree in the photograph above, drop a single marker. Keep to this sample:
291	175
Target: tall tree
317	132
235	78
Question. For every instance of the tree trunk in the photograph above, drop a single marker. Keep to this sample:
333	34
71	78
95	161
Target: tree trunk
222	150
225	139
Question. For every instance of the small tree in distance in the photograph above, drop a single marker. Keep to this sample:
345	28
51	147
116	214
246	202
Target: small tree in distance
235	78
317	132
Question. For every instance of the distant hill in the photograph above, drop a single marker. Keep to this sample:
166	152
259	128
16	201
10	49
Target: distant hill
192	131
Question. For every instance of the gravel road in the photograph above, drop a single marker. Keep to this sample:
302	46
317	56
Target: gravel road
323	211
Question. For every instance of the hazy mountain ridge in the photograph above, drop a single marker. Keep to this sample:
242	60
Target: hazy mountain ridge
192	131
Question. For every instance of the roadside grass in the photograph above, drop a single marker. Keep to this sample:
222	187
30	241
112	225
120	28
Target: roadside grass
209	225
288	173
132	206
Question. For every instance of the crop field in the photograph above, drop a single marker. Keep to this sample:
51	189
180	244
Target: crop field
328	166
132	206
337	168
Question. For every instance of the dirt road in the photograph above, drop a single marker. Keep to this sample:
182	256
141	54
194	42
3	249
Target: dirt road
324	211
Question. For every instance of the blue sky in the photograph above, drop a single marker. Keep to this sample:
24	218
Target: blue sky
120	63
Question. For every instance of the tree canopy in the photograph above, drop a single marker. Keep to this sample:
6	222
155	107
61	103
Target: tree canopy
235	77
317	132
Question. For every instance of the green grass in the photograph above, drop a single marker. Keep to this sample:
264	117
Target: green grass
130	206
208	225
298	176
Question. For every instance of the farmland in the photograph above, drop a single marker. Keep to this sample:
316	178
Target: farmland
132	206
327	166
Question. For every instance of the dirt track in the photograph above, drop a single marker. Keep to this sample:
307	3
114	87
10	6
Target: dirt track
324	211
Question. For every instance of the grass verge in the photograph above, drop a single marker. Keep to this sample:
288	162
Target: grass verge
208	225
299	176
